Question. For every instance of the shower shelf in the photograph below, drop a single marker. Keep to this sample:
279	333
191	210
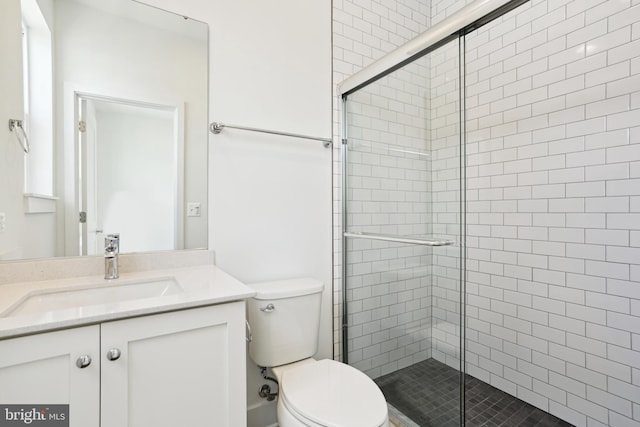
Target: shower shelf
399	239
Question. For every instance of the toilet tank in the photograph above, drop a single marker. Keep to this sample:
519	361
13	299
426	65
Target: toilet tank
284	318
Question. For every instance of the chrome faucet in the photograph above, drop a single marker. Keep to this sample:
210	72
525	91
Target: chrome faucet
111	250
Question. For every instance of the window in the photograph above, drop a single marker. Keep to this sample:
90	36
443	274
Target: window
38	98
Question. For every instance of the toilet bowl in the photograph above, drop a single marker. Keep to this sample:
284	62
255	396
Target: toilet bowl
285	319
327	393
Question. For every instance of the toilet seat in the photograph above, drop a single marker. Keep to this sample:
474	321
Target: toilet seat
331	394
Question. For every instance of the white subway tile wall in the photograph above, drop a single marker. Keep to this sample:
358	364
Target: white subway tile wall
363	31
444	138
559	161
553	192
389	192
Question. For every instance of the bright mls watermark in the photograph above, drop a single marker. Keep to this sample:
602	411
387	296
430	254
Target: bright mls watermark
34	415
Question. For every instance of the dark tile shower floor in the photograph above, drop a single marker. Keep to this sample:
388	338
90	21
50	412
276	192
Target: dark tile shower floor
428	394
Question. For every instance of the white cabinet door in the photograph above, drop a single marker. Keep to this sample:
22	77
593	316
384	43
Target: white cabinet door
41	370
184	368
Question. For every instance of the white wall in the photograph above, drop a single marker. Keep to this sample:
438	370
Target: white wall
135	167
270	67
24	235
11	154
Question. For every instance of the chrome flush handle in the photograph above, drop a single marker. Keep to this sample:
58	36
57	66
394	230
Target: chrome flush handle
249	336
269	308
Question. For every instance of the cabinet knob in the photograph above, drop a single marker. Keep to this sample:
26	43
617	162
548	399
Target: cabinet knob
113	354
83	361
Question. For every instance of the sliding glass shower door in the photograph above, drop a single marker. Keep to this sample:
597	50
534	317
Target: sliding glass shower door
403	216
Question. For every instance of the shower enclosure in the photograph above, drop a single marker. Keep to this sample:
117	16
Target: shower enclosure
489	251
403	222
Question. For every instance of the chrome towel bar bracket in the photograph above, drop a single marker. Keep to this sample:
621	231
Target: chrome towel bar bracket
216	128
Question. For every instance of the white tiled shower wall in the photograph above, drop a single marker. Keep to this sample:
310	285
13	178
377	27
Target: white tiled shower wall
393	307
363	31
554	208
553	155
389	284
444	84
440	9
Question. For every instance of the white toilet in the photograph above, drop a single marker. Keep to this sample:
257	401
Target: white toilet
284	317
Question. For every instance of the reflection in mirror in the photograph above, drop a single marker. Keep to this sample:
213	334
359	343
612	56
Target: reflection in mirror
114	99
116	138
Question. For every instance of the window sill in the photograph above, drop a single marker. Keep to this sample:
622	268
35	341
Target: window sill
39	203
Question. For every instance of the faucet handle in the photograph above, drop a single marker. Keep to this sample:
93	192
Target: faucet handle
112	243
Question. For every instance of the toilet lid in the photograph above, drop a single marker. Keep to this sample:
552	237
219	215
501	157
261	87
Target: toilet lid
333	394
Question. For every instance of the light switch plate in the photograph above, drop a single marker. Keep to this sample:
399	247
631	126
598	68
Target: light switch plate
3	221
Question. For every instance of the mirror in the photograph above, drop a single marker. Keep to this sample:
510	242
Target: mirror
114	99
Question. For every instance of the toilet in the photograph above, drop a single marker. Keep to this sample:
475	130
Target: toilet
284	317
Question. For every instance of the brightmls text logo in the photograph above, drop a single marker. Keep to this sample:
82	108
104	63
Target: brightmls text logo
34	415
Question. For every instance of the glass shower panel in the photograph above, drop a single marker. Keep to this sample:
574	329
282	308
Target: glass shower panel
403	222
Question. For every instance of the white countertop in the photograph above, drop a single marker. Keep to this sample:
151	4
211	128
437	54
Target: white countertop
201	285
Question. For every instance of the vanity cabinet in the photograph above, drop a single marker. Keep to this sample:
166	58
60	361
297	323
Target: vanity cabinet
41	369
181	368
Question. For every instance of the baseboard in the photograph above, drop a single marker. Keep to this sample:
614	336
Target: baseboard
262	414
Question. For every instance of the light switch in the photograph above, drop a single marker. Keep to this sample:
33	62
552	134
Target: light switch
3	221
193	209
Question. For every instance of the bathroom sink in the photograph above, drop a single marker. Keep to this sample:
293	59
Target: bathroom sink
103	293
